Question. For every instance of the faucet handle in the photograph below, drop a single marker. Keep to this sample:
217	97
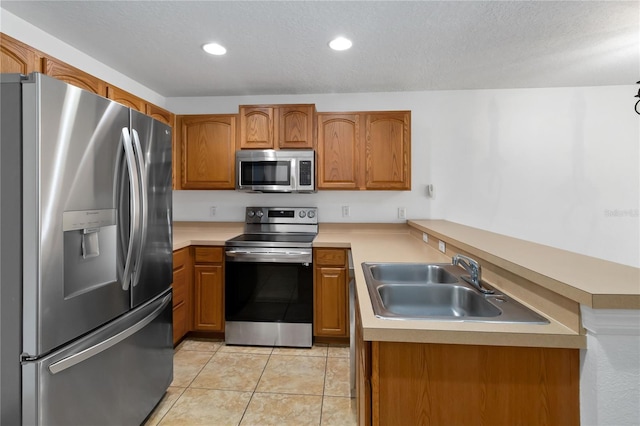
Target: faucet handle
474	269
467	263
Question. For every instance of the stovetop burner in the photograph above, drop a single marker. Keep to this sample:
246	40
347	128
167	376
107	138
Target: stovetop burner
294	227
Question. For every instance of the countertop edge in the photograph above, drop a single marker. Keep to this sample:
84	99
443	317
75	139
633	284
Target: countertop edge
542	278
362	241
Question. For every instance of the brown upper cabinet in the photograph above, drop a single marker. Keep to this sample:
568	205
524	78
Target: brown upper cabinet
207	150
17	57
338	164
296	126
126	99
162	115
132	101
277	126
387	150
364	150
74	76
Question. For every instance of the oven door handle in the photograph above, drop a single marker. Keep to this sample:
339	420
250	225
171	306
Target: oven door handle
275	256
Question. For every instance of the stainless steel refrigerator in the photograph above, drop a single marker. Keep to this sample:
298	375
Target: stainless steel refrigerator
86	256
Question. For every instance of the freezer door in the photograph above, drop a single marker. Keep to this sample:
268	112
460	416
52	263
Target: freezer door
153	271
114	376
72	152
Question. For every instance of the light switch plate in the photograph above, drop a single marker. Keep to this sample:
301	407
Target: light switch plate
425	237
441	246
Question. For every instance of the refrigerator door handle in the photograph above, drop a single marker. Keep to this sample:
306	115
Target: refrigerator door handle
92	351
135	207
142	182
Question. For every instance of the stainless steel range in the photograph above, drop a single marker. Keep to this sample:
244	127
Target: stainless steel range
269	278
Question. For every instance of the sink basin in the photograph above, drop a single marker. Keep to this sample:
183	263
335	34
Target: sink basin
424	300
436	291
412	272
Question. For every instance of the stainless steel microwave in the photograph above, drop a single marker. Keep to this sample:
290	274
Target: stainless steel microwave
269	170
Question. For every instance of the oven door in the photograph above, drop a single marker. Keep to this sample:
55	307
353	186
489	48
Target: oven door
269	297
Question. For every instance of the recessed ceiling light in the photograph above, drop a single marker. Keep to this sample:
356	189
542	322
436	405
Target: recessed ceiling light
214	49
340	43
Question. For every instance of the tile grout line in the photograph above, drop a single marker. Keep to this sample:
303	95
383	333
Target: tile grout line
219	349
324	384
179	348
255	388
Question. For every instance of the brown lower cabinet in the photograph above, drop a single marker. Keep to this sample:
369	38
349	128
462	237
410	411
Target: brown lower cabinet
181	293
198	285
441	384
330	293
208	282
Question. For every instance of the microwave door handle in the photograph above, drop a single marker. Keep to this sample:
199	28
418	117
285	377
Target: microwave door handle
143	210
135	207
294	174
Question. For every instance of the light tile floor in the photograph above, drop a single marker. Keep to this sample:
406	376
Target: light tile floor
214	384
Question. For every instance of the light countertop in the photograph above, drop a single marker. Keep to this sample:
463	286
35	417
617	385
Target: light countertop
593	282
187	234
395	243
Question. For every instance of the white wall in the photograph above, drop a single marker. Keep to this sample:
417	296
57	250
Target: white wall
555	166
609	367
35	37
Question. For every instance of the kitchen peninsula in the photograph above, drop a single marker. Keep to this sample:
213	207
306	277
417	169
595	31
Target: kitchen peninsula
555	283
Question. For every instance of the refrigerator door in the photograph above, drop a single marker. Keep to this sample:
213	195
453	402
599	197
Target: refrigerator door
152	274
114	376
72	148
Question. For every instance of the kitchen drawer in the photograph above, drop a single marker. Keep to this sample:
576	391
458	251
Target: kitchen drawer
332	257
180	321
180	258
208	254
179	287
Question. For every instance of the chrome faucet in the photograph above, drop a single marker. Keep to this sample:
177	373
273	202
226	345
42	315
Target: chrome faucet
474	270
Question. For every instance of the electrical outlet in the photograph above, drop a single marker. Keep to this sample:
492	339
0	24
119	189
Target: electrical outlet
425	237
402	213
212	211
441	246
346	211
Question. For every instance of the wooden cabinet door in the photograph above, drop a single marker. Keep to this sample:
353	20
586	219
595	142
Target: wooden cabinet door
127	99
331	293
74	76
207	151
209	286
181	293
330	302
339	151
162	115
502	385
256	127
296	126
388	150
17	57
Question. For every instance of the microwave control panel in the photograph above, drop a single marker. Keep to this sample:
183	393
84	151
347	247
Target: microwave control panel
305	173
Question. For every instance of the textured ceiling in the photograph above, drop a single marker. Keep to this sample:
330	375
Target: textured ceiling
280	47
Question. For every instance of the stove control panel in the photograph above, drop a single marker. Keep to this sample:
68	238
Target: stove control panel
284	215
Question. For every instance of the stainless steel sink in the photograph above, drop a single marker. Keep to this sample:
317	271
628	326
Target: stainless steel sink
428	300
436	291
413	272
